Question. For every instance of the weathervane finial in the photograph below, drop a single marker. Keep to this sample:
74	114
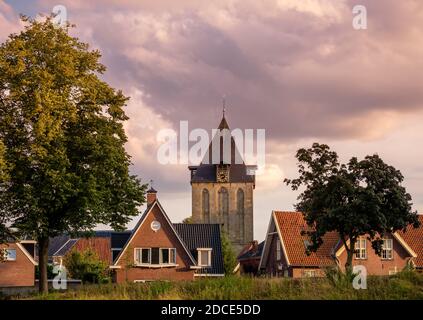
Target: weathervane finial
224	105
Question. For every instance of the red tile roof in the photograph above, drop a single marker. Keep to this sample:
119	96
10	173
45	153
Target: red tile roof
291	224
414	238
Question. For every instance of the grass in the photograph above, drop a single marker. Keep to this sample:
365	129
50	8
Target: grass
405	285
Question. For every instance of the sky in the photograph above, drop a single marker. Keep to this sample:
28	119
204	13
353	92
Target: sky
297	69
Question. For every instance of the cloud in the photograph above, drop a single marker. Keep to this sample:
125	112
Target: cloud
295	68
9	22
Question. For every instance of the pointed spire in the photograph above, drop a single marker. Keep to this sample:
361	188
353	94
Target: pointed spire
151	190
223	123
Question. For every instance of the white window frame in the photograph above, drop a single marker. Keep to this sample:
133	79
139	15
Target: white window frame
200	262
361	249
149	264
136	256
310	273
278	250
387	251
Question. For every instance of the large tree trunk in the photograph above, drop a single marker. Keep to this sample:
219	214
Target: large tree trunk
42	262
350	255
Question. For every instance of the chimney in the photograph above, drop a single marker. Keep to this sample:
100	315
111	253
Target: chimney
151	195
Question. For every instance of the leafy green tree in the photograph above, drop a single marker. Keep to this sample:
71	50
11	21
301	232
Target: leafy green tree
359	198
4	178
229	257
187	220
62	127
85	266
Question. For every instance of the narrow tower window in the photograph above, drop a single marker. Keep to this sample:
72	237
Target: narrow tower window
206	206
223	201
240	210
224	208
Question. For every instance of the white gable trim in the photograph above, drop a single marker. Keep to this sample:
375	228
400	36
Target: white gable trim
26	253
404	244
281	239
273	222
263	253
134	233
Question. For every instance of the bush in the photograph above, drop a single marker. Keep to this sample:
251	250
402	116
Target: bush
86	266
229	258
404	285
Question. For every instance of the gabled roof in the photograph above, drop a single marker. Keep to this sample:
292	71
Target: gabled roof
139	224
414	238
290	225
199	235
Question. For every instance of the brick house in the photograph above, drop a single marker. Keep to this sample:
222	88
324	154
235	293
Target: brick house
156	249
284	252
17	268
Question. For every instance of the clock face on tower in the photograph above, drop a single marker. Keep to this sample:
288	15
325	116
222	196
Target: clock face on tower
222	174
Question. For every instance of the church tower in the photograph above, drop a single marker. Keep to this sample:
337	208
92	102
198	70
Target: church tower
222	189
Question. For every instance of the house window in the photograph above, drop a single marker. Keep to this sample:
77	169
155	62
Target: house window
155	256
240	201
206	205
310	273
10	255
172	255
278	249
143	255
387	249
360	250
167	256
204	257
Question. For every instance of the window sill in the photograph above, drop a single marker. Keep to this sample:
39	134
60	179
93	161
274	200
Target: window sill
155	266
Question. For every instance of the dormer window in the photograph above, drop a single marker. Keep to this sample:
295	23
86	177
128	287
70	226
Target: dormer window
204	257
